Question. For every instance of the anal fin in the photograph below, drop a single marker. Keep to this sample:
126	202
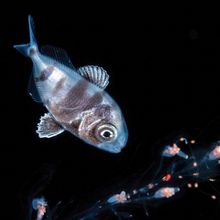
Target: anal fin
48	127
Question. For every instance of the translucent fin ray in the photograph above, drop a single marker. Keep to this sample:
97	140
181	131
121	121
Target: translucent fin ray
95	74
24	48
48	127
57	54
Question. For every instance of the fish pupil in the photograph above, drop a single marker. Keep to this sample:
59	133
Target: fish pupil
107	134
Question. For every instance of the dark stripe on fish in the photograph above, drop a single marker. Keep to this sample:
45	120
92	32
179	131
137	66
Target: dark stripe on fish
44	75
72	104
59	86
77	95
94	100
75	102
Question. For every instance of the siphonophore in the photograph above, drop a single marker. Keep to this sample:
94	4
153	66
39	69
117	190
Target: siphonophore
181	167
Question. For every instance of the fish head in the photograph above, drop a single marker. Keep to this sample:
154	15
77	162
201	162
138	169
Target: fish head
104	127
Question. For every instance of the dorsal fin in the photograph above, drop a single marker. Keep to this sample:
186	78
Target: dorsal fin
57	54
95	74
32	89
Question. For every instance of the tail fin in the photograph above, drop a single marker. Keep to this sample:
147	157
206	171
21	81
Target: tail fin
25	48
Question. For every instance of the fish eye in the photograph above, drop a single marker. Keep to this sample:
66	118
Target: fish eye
106	132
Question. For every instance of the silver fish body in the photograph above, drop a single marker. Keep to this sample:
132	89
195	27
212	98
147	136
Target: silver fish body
76	99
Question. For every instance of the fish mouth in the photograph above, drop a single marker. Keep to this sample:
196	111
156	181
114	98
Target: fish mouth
118	145
114	147
115	150
110	149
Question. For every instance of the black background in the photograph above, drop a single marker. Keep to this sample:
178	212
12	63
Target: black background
163	63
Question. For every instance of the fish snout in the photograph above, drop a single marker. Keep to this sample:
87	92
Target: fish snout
117	145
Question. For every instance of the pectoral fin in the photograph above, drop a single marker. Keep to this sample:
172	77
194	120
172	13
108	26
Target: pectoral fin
48	127
95	74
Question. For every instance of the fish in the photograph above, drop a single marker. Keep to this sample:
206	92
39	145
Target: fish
75	98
